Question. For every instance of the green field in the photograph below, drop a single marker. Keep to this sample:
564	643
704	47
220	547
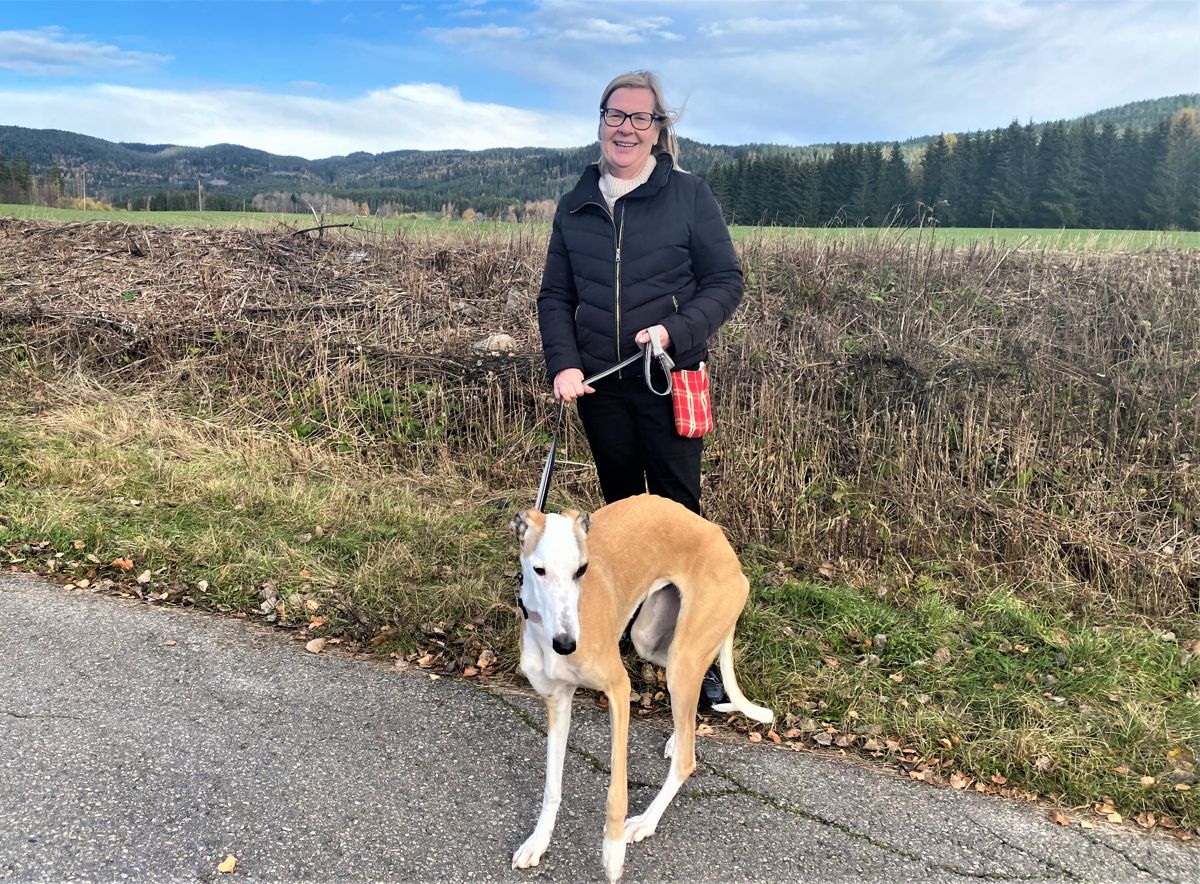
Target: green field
1031	238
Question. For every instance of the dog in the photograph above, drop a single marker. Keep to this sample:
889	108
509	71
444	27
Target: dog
583	578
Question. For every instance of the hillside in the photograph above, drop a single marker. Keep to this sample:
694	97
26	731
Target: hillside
422	179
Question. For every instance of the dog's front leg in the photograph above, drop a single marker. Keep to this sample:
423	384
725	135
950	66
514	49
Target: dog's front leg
558	724
613	853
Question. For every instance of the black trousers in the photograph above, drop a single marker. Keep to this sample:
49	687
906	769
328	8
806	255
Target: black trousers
631	432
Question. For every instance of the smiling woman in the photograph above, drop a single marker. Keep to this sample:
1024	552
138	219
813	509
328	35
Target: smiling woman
638	248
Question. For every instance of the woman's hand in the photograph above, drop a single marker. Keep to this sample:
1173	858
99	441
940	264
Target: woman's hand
568	385
643	337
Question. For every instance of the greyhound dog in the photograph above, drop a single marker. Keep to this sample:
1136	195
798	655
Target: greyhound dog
582	580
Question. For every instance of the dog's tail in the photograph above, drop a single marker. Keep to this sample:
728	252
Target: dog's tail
738	701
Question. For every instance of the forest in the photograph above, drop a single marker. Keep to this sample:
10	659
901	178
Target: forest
1121	169
1071	175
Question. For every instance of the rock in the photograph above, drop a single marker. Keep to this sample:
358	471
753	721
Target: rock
496	343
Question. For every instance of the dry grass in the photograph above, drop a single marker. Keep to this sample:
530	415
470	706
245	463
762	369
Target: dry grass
985	455
884	406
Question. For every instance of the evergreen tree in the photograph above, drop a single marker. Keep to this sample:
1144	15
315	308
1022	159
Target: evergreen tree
935	173
1170	202
875	205
1060	173
1014	176
895	190
1147	152
808	212
1101	206
837	185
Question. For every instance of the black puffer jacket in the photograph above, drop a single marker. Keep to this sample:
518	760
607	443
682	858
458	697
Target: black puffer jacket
663	257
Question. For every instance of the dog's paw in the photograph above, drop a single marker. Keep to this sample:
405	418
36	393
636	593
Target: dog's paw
669	746
612	855
638	828
530	853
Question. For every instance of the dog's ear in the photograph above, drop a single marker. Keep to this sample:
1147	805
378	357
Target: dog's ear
528	526
520	524
583	520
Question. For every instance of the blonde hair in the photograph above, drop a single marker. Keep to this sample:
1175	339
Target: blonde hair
667	142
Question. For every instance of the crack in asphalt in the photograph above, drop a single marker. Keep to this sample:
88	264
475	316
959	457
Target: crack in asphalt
1049	863
37	715
1129	859
738	788
862	836
596	764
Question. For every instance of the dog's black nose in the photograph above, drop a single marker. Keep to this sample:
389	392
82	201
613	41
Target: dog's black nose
563	644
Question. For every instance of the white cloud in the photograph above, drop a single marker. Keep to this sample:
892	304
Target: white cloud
471	35
424	116
50	52
746	70
758	26
607	32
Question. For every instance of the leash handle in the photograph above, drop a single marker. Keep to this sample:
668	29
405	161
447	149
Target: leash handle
654	349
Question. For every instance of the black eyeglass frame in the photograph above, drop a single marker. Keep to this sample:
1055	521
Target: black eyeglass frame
654	118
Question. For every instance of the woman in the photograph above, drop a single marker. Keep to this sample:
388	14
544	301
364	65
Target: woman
638	245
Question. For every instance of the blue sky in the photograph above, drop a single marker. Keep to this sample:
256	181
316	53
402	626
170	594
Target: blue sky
324	78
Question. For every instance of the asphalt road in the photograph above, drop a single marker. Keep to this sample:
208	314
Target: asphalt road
123	757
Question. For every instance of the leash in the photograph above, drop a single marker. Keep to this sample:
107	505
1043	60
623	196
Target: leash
654	349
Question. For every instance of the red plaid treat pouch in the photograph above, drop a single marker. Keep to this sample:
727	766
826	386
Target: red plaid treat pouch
693	407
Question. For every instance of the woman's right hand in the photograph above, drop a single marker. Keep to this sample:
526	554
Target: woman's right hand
568	385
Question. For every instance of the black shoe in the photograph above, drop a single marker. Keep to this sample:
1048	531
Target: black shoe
712	692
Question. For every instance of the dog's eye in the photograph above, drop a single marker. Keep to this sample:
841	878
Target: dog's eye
539	571
582	570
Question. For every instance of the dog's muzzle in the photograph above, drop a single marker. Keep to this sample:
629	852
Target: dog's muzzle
563	644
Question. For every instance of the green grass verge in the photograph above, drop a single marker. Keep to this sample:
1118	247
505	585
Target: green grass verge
982	689
1009	237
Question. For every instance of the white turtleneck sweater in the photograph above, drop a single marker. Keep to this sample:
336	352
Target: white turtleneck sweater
613	188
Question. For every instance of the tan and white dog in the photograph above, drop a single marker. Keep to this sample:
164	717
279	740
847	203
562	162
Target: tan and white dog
582	580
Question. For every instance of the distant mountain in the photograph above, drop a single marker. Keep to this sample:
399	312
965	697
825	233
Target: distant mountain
123	172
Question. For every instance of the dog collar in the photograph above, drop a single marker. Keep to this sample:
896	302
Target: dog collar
531	616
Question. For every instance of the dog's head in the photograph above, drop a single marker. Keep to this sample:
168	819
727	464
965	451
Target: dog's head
554	559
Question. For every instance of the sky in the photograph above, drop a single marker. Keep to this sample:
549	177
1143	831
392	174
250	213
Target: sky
317	79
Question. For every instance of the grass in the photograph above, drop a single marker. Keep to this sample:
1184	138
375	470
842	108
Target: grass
424	224
965	689
986	453
1009	237
226	519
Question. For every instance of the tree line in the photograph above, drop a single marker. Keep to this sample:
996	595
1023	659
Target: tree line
1069	175
1089	172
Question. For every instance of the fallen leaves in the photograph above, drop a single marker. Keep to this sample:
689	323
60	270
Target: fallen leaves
1045	764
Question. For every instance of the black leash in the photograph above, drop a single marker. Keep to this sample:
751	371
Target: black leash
645	353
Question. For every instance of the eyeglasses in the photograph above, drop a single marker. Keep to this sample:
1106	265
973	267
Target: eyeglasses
639	121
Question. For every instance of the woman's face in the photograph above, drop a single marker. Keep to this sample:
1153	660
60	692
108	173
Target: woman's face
625	148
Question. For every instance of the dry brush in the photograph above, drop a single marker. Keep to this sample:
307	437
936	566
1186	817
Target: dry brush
893	408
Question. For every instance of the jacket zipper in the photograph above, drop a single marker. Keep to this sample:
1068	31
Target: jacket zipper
619	232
